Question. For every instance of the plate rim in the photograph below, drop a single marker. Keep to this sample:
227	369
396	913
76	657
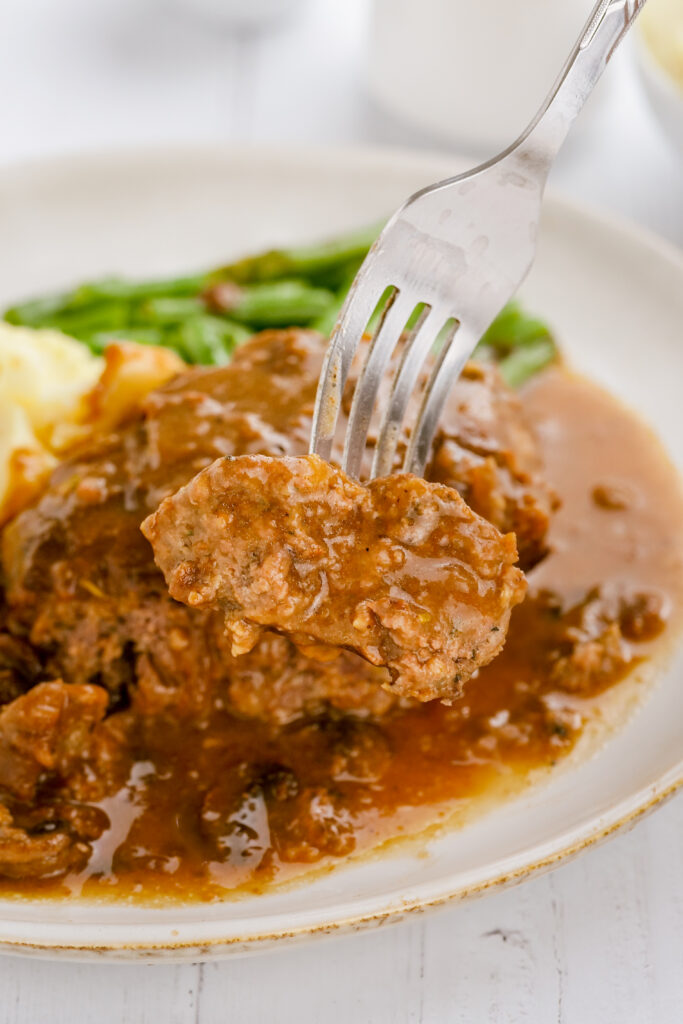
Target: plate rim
305	153
193	940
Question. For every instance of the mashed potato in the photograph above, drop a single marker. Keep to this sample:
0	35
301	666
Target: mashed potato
45	373
55	394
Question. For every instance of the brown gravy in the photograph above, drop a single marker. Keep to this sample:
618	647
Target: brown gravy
619	528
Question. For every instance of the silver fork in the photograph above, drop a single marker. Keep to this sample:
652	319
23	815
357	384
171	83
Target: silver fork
458	249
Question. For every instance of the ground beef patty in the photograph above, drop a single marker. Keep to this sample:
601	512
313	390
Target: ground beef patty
81	582
400	571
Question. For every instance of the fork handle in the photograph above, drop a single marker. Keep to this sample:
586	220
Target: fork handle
537	147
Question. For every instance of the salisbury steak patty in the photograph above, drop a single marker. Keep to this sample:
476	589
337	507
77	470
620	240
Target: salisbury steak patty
400	570
80	578
485	449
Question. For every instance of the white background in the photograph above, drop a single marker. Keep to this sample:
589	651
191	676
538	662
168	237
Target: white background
599	940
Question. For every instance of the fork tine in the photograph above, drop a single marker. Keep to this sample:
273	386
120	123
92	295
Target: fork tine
357	310
444	374
417	348
386	337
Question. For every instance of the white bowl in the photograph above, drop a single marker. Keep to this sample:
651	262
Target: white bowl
244	14
664	94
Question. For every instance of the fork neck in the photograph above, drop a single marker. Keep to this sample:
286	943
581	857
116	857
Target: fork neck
535	150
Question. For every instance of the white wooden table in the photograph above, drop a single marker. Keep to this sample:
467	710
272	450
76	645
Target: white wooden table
598	940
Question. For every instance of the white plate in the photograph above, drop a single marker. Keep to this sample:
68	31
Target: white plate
615	297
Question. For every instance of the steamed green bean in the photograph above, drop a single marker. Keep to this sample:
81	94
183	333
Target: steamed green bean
203	317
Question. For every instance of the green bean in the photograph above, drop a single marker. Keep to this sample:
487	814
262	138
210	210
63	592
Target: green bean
169	309
313	262
279	304
513	328
233	333
46	310
204	316
209	340
337	278
36	312
121	288
103	316
527	360
326	321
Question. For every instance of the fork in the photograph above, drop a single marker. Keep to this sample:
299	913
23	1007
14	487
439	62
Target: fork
449	259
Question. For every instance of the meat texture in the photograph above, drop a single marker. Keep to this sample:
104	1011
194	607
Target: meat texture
400	571
82	586
45	734
305	686
46	730
19	667
593	641
485	450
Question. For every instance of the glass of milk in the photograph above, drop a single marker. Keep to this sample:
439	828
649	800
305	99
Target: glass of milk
471	72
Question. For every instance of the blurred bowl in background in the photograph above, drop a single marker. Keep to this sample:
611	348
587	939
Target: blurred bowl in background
471	72
245	14
659	54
